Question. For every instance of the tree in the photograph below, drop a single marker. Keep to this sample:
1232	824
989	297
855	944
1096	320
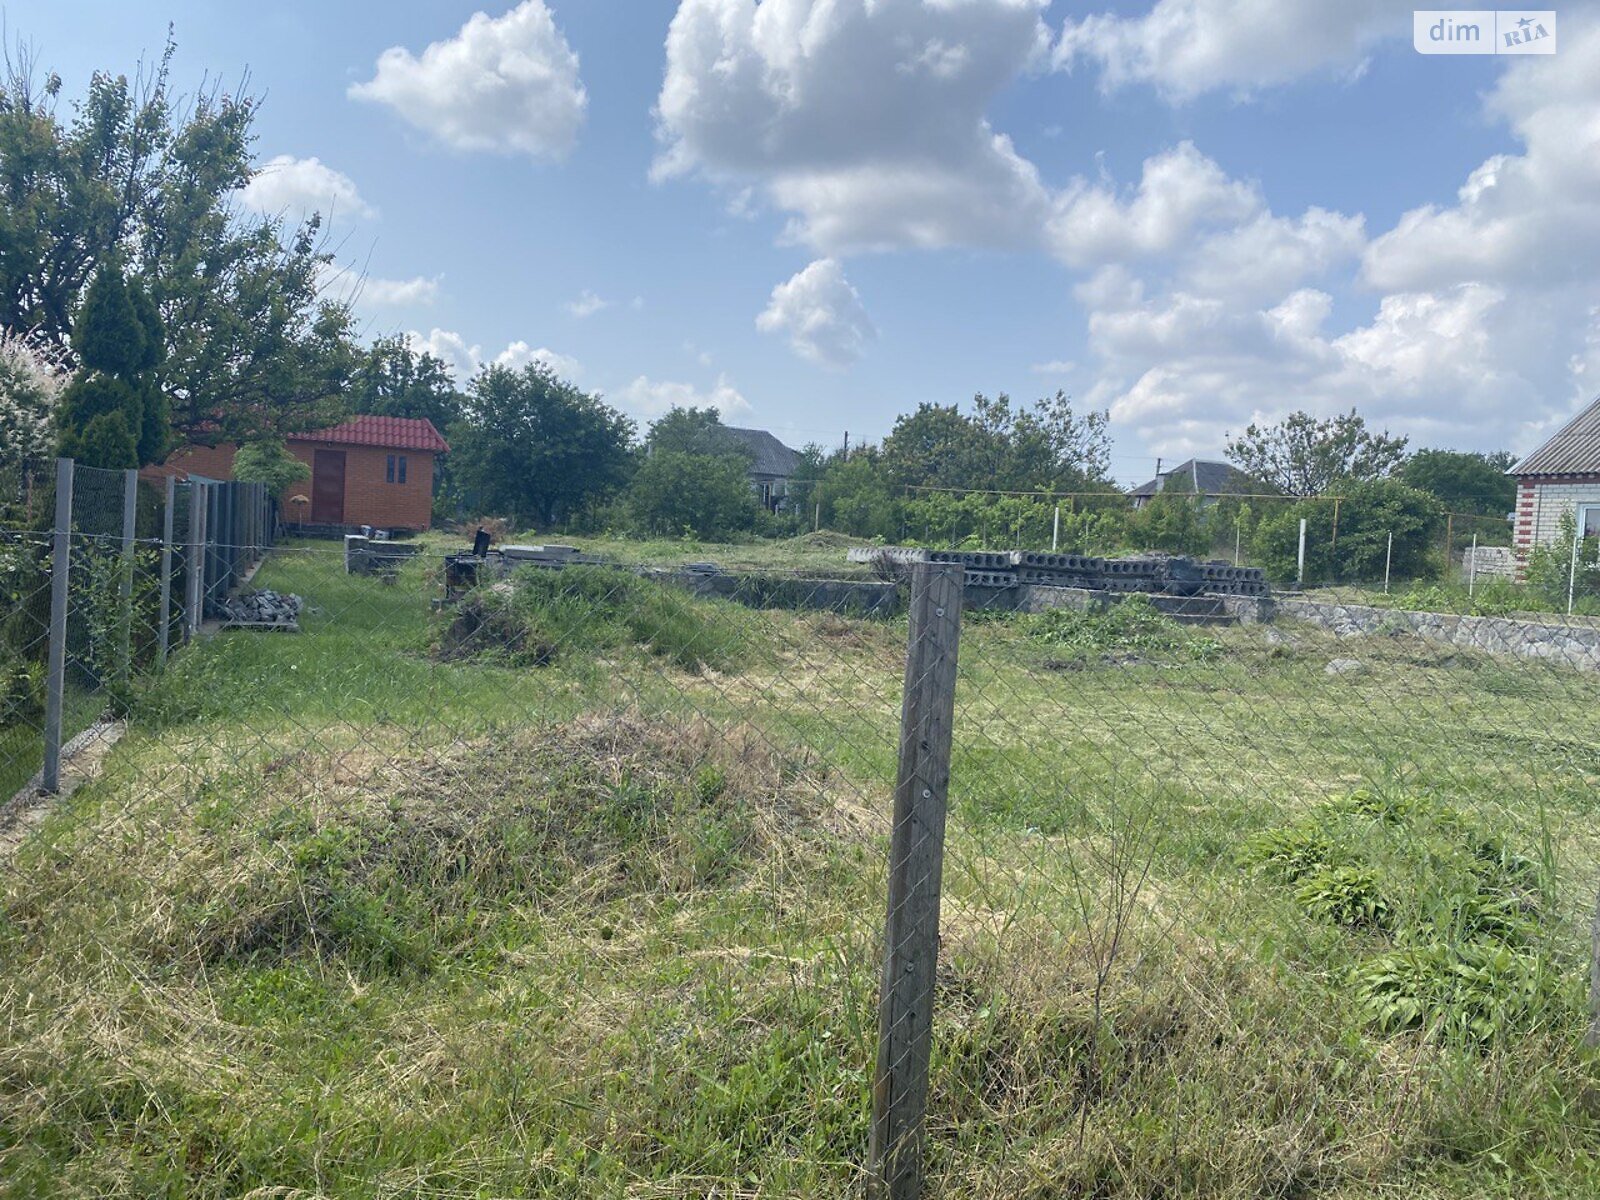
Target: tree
997	447
134	178
269	462
1304	456
855	495
117	339
396	380
694	431
1471	483
536	448
30	387
707	495
1369	511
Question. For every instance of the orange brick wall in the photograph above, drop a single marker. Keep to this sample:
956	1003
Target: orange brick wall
368	498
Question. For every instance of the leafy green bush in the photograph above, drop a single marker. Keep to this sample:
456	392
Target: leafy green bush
1472	991
588	610
1135	626
21	690
1461	908
1492	598
1291	852
1344	896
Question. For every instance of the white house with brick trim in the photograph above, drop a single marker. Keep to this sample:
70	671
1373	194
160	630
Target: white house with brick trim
1560	477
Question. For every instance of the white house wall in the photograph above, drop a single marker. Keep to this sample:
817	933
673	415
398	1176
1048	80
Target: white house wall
1541	505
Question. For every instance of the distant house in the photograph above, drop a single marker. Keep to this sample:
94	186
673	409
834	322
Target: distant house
1197	477
772	465
366	471
1561	477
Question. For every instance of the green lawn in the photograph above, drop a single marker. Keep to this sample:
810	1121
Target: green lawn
589	905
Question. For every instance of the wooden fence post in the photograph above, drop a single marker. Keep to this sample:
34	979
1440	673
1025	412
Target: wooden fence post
56	671
916	865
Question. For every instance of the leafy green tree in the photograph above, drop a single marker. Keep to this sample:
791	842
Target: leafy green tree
30	388
534	447
1471	483
134	177
997	446
104	441
269	462
1171	522
1368	512
694	431
1303	456
855	495
707	495
396	380
118	339
109	336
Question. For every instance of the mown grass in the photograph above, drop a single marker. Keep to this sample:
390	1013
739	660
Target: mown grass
349	917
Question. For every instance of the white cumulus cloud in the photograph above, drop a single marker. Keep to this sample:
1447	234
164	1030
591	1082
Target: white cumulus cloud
1180	191
864	119
822	315
393	293
506	84
587	305
1187	47
646	397
298	187
465	359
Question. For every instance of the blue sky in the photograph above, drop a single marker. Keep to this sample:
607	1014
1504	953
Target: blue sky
819	213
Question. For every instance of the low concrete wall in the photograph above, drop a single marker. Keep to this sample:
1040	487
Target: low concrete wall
1575	646
860	598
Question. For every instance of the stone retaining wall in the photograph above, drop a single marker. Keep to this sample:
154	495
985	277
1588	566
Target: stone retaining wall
1575	645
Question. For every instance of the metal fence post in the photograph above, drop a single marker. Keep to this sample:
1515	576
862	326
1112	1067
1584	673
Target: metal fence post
196	566
130	509
916	865
164	635
56	677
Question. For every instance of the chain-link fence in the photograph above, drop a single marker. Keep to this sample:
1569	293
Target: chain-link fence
542	873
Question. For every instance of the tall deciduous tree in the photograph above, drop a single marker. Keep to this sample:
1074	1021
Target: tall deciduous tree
1305	457
997	446
535	448
135	176
1476	484
708	495
694	431
396	380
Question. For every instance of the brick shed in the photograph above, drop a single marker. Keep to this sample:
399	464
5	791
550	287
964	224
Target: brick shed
1561	477
366	471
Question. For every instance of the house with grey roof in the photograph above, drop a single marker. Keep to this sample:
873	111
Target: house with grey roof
1561	477
772	465
1201	477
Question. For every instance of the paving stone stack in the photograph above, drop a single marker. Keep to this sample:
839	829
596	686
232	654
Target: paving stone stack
261	609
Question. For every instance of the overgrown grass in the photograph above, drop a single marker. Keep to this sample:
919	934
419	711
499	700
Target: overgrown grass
1133	627
347	919
582	611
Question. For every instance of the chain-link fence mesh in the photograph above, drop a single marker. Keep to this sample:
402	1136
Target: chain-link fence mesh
541	873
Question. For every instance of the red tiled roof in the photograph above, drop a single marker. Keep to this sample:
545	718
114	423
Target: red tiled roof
395	433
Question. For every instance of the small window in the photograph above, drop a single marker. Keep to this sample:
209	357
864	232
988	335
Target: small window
1589	520
388	475
401	477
